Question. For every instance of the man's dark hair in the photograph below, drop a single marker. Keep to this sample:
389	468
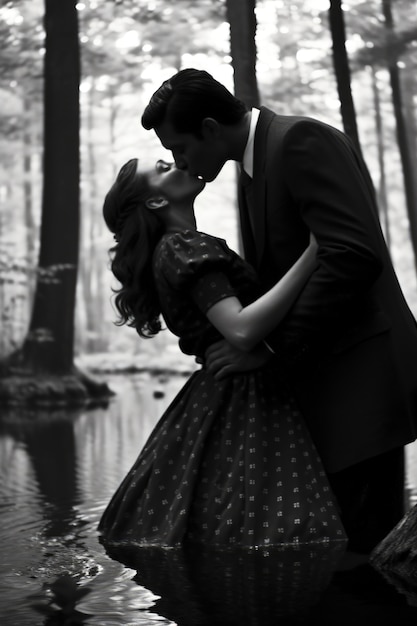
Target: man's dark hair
187	98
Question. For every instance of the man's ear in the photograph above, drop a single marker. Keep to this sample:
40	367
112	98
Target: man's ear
156	202
210	128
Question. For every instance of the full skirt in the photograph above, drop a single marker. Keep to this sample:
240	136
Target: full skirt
229	463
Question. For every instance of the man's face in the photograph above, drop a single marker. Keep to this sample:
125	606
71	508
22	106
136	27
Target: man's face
203	157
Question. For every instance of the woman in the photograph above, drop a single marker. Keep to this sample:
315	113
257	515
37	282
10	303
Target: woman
230	462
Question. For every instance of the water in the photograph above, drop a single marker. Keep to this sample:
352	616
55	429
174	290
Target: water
57	473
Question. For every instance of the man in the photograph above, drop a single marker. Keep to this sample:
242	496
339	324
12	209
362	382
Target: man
349	344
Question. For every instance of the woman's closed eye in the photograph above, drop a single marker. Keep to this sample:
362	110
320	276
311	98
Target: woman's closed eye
162	166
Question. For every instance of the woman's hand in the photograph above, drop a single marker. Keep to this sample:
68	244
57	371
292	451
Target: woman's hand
222	359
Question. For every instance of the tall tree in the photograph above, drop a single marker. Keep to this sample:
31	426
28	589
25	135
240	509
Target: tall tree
242	21
46	357
21	74
342	70
392	47
48	347
382	187
404	144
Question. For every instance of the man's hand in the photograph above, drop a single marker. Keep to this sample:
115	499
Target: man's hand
222	359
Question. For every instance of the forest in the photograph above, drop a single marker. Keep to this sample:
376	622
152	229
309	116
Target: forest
74	79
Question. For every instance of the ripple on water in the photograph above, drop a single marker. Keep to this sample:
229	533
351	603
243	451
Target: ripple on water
57	474
54	576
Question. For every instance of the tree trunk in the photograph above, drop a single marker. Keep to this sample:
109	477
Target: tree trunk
342	71
396	556
113	110
27	181
382	187
242	20
410	90
404	146
88	257
50	342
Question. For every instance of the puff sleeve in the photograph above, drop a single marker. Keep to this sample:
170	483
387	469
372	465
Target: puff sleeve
197	265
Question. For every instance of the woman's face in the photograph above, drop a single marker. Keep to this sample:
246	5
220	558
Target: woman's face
174	184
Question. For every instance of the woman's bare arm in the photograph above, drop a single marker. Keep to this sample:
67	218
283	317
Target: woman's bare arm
245	327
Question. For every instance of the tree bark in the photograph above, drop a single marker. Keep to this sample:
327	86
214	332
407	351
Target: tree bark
396	556
27	181
342	71
50	342
242	20
382	187
404	146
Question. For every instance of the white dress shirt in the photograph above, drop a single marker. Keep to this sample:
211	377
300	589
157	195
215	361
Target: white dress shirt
247	161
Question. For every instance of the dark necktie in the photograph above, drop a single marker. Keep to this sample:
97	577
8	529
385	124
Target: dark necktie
246	216
247	185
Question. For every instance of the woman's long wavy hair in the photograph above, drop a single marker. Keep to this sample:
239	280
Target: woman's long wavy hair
136	231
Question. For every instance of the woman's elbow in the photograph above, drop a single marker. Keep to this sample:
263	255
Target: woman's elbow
242	340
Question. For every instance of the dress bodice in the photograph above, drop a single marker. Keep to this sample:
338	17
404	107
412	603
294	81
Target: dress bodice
193	271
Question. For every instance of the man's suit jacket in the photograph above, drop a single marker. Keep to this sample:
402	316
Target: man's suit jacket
350	341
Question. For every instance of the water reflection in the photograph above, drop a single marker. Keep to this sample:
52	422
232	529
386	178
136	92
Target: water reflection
48	440
62	607
202	586
57	473
58	470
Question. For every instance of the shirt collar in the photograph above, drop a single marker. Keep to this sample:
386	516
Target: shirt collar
247	161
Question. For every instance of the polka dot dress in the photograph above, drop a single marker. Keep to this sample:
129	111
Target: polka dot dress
230	462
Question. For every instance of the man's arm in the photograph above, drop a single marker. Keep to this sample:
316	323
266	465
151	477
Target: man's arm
331	189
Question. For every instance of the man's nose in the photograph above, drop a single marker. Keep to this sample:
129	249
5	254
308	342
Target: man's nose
180	163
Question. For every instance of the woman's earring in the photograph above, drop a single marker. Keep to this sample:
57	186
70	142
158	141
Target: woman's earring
156	203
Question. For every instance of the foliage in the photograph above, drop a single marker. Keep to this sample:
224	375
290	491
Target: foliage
13	297
128	47
379	46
